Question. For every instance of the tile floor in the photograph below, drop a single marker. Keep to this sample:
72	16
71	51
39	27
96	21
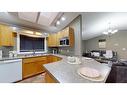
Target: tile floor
35	79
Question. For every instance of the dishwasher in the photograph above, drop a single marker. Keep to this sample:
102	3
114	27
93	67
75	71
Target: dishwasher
10	70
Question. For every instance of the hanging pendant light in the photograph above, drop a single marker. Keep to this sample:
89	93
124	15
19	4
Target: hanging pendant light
110	30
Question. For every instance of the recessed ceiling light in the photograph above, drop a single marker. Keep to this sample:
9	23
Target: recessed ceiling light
63	18
58	22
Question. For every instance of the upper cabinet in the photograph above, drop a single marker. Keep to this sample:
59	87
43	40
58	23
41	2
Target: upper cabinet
6	36
54	39
65	32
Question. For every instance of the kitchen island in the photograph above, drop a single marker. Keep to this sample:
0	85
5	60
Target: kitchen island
63	72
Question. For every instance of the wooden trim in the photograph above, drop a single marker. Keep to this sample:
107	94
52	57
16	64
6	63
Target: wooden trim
71	37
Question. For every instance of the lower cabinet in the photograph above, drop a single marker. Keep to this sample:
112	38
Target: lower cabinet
49	78
34	65
52	58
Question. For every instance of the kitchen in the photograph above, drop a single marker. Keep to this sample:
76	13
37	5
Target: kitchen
40	47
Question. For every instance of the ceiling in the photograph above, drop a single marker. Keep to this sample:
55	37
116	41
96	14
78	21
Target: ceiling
95	23
41	21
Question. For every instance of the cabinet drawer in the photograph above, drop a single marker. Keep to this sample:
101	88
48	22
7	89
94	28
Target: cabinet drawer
34	59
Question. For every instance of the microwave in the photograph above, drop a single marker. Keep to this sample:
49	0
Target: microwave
64	42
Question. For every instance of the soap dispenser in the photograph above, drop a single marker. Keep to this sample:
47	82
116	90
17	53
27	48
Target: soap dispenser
53	51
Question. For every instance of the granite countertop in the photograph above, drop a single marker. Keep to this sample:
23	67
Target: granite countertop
21	57
64	72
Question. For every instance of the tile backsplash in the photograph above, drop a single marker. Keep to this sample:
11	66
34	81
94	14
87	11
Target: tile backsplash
5	50
66	51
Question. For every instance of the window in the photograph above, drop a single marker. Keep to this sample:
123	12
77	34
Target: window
31	43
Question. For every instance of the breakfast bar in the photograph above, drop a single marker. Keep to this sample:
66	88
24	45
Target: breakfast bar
63	72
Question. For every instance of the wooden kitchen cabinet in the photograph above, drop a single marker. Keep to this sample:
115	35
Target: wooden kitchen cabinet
49	78
34	65
68	33
52	58
65	32
59	34
54	39
28	69
6	36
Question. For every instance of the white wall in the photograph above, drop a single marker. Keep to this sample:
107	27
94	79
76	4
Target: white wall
116	42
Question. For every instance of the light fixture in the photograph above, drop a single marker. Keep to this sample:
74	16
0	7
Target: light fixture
29	32
38	33
58	22
46	34
14	28
114	31
63	18
60	19
106	33
110	30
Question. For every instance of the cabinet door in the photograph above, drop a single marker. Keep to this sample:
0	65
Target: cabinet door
62	33
33	66
6	34
28	69
66	32
56	41
52	40
12	41
71	36
58	38
40	63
